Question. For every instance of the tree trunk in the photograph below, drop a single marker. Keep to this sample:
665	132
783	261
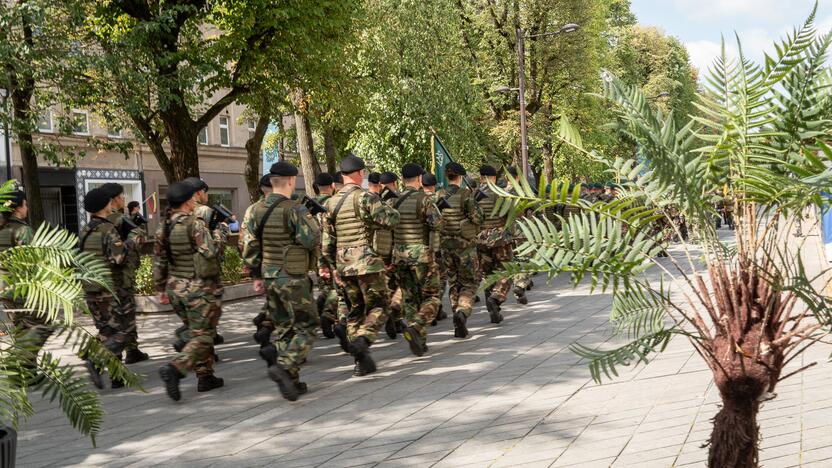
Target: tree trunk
308	163
548	163
254	150
281	142
21	102
735	434
184	149
329	149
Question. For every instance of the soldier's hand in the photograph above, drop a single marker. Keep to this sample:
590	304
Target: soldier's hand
338	279
259	286
164	299
324	273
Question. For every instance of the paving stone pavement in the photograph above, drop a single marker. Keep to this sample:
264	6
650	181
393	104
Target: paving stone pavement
510	395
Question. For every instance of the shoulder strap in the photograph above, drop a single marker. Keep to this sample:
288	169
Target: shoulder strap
169	225
402	199
262	225
334	215
92	226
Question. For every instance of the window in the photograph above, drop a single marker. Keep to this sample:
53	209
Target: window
224	140
45	121
203	136
224	197
80	122
132	189
114	132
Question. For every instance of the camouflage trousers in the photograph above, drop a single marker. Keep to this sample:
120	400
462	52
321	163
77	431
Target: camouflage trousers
194	301
491	259
124	312
419	289
461	269
31	329
368	300
293	312
395	308
102	307
215	286
328	299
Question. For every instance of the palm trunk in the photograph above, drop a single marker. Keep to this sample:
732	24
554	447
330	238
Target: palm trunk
735	434
254	146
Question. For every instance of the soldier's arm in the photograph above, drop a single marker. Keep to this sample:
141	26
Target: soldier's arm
378	213
203	240
306	228
23	236
433	217
160	260
115	249
473	210
252	250
328	244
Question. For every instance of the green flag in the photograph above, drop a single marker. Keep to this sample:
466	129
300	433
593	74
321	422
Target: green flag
440	159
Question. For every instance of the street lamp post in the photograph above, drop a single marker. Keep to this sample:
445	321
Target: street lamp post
4	93
521	65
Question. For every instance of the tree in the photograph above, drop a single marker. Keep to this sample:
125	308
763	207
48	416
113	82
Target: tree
748	307
48	274
168	69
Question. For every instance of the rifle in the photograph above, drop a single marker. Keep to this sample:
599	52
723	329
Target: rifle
220	214
387	194
313	206
125	227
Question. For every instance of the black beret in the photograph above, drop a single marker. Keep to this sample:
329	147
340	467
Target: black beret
487	170
197	183
15	199
411	170
374	178
324	179
96	200
112	188
428	180
266	181
180	192
387	178
283	169
351	163
338	177
455	168
513	171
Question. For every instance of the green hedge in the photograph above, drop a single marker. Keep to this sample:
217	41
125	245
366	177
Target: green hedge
232	271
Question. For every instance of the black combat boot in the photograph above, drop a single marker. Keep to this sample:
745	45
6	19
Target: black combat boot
258	319
269	354
218	339
390	328
179	345
414	339
263	335
363	361
340	330
284	382
95	376
302	387
520	295
460	328
326	327
170	375
207	383
400	326
134	355
493	310
116	384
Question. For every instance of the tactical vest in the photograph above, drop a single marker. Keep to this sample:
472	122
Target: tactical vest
278	244
181	257
456	223
383	242
7	233
411	228
350	228
491	221
92	238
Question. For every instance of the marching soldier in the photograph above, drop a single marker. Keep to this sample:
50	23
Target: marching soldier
280	253
184	271
101	238
327	294
462	219
124	278
494	244
347	244
262	321
413	257
15	231
429	187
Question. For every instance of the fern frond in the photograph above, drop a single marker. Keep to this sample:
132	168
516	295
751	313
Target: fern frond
634	352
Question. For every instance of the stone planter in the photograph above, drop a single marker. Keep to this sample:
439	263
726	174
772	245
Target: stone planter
8	447
233	292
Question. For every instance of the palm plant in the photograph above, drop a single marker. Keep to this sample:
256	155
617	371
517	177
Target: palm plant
48	275
747	305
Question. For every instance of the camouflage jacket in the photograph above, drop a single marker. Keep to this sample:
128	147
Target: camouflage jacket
429	214
220	233
114	251
470	209
138	236
494	236
201	240
241	241
354	261
306	233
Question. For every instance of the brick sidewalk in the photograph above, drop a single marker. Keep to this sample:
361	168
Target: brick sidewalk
510	395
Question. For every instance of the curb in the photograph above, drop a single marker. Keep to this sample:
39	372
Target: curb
234	292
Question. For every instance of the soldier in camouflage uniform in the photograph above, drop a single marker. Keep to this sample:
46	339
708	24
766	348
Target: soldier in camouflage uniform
14	231
101	238
462	220
124	279
352	215
383	245
219	232
280	253
327	300
183	272
494	244
262	320
413	256
429	187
